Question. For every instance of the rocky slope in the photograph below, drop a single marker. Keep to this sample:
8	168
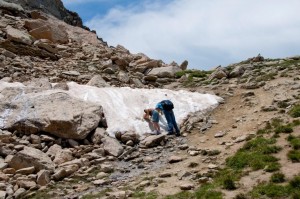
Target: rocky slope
261	101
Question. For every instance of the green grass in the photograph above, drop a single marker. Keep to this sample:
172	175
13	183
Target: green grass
256	154
277	177
100	194
207	191
271	190
295	111
283	129
144	195
227	177
193	73
266	77
295	142
294	155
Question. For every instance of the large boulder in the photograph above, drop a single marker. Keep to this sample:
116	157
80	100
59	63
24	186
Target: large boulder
56	34
11	6
152	141
18	36
51	111
112	146
31	157
98	81
168	71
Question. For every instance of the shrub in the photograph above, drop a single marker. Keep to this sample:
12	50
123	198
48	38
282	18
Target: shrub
295	182
295	111
278	177
228	184
295	143
271	190
284	129
207	191
294	155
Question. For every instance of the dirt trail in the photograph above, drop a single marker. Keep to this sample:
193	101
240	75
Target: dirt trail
238	116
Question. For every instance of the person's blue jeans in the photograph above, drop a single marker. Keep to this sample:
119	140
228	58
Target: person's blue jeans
170	117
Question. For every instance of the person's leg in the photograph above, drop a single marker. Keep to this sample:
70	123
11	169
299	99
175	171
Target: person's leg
168	115
174	123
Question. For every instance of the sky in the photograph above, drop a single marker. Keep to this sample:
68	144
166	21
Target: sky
206	33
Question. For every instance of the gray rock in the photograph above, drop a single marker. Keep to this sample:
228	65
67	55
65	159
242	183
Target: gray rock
112	146
29	157
19	193
168	71
2	194
51	111
18	36
174	159
152	141
184	65
98	135
11	6
26	171
98	81
43	177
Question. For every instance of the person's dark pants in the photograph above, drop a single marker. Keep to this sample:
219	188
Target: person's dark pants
170	117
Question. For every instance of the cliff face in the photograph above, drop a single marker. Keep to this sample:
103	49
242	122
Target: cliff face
53	7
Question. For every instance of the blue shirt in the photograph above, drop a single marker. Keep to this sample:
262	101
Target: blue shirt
155	116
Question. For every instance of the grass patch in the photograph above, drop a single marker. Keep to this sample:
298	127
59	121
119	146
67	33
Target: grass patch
143	195
96	195
226	178
284	129
266	77
255	154
295	142
270	190
193	73
277	178
207	191
294	155
295	111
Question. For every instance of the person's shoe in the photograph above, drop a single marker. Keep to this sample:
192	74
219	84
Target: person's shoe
170	133
177	134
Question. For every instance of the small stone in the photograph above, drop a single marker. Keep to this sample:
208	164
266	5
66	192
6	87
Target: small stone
187	186
26	171
100	182
19	193
241	138
26	184
183	147
144	183
9	171
43	177
165	175
101	175
194	153
213	166
174	159
219	134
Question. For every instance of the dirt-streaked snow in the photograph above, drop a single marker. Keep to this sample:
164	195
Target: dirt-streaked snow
123	107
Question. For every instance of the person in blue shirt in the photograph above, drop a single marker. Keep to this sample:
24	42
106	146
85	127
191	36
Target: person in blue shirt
170	117
154	114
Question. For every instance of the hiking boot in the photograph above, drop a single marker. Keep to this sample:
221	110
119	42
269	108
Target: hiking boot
170	133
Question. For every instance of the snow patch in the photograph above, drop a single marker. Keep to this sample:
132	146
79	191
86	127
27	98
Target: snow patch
124	107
